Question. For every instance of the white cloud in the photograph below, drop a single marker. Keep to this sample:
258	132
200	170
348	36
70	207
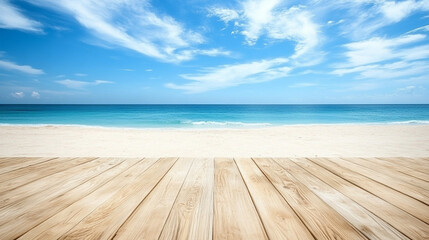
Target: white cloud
296	25
128	70
271	19
422	29
81	84
21	68
381	49
367	16
233	75
35	94
131	24
388	71
332	22
410	90
81	74
12	18
396	11
224	14
189	54
18	94
386	58
257	15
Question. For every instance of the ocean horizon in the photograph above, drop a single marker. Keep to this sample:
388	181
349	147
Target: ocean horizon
210	115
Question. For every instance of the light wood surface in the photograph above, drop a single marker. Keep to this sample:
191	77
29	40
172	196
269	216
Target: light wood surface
279	219
221	198
323	221
394	196
235	216
369	224
149	218
192	214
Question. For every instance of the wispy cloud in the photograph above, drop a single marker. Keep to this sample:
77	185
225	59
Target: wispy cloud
74	84
224	14
233	75
411	90
386	57
271	19
12	18
132	24
419	29
21	68
366	17
18	94
81	74
35	94
380	49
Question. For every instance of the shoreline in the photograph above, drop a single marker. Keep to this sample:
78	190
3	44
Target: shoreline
231	127
337	140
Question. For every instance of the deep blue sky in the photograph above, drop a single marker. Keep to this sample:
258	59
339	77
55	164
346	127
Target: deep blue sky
189	51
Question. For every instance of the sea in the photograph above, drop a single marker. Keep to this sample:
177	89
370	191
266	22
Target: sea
211	116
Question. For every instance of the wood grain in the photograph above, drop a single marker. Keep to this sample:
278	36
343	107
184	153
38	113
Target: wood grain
278	217
414	207
235	216
388	165
411	187
322	221
117	208
85	200
19	177
399	219
89	169
22	163
192	214
150	216
222	198
369	224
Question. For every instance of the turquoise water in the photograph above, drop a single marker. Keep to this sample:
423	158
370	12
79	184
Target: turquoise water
209	116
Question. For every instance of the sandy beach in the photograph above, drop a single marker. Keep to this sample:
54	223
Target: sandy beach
284	141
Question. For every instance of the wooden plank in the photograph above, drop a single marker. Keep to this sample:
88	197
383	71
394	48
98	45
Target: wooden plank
67	210
235	216
391	172
107	218
192	214
398	218
23	164
278	217
31	169
402	201
409	163
397	182
8	161
52	200
10	224
369	224
403	169
89	169
416	160
19	177
150	216
322	221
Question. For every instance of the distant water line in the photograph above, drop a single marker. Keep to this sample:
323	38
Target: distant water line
210	116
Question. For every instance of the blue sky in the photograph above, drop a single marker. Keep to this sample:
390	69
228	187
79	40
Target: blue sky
200	51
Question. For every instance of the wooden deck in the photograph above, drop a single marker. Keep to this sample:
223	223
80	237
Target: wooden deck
222	198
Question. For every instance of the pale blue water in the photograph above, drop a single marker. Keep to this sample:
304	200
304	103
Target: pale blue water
202	116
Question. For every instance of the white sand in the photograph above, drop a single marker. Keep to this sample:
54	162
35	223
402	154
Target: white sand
286	141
